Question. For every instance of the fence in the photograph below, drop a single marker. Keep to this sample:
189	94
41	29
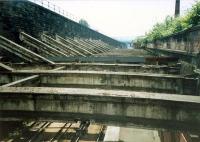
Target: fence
57	9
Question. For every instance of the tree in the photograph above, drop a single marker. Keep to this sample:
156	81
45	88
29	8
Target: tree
84	23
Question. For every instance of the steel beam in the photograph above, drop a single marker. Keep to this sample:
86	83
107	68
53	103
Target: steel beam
127	108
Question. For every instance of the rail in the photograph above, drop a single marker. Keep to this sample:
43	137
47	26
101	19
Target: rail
57	9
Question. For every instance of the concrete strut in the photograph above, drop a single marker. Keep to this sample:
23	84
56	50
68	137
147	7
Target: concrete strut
5	67
105	44
73	45
63	47
104	48
115	107
98	49
44	48
22	81
82	45
21	51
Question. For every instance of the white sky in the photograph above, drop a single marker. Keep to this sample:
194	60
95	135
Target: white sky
124	19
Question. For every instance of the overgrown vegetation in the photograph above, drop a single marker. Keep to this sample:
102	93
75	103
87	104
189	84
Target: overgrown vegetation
172	25
84	23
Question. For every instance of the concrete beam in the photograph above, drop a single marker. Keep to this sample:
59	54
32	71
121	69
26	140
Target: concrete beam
82	45
21	51
115	80
60	46
117	59
183	55
106	106
101	59
89	45
5	67
92	42
105	48
21	82
27	81
105	44
96	47
40	46
163	69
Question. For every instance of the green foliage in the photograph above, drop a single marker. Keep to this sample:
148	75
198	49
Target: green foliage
173	25
84	23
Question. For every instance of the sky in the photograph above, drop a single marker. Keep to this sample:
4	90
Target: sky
122	19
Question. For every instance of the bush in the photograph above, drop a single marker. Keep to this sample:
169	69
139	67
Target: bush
172	25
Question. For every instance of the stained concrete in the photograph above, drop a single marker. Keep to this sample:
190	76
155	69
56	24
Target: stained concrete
109	80
118	107
123	134
138	135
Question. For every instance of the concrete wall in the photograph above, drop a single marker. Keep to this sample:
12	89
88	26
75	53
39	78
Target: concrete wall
188	40
34	19
185	45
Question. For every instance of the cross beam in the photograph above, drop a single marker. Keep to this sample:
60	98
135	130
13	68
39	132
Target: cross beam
115	107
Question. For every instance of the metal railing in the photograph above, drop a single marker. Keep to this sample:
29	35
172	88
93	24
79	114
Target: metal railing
57	9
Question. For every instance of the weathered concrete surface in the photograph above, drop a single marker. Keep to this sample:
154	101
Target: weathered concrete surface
163	69
187	41
73	45
108	106
108	80
112	134
5	67
40	47
118	59
185	44
126	52
183	55
21	52
138	135
77	43
101	59
63	47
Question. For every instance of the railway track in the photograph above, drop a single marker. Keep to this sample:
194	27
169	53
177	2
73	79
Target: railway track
38	131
